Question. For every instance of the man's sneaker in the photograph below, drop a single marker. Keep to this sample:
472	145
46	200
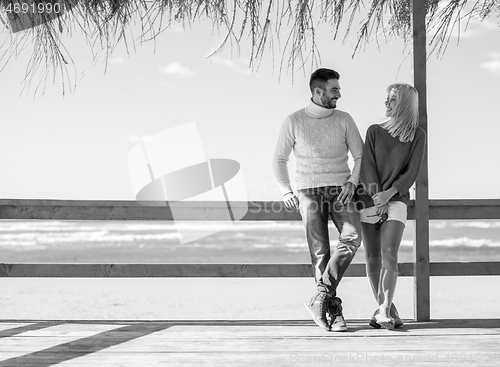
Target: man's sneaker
317	307
337	322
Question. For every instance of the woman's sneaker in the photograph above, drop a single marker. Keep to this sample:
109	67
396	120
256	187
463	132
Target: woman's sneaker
398	322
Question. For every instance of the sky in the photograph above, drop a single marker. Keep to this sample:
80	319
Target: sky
76	145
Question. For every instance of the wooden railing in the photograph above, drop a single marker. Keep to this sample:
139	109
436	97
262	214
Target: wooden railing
216	211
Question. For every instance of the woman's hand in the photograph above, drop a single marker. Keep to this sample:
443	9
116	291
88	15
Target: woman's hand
380	210
383	197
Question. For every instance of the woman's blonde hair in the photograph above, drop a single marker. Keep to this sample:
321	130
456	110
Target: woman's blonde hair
403	120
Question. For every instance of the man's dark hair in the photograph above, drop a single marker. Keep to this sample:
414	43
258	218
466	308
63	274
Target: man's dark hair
320	77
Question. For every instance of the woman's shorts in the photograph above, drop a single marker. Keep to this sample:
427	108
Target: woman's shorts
397	210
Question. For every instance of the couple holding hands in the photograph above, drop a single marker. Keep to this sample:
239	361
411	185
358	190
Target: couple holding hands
369	203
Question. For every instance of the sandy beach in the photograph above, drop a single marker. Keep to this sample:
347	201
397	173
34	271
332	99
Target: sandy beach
218	299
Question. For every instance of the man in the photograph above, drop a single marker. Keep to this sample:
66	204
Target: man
321	137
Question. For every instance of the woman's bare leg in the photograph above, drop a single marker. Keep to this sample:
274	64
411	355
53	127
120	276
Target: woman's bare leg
391	234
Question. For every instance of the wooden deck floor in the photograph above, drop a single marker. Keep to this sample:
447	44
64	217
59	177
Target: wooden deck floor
246	343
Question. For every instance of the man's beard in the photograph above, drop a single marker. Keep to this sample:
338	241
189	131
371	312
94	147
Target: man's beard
327	103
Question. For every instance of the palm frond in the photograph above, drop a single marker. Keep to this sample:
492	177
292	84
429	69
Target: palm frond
107	23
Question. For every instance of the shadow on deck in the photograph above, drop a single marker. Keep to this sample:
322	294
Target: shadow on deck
244	343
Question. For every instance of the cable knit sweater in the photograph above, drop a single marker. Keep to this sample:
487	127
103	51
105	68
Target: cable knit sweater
320	139
387	162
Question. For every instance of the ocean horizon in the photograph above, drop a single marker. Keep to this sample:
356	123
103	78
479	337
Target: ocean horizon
241	242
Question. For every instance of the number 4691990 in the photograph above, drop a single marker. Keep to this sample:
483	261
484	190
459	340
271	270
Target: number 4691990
41	7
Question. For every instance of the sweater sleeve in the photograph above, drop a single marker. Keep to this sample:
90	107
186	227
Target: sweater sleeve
369	175
286	141
355	146
409	175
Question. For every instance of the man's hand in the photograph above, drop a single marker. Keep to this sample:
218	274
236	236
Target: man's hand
291	201
347	192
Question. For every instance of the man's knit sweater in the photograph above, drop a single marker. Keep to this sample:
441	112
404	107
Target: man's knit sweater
321	139
387	162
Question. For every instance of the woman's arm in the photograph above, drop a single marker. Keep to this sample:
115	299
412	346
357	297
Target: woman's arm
407	178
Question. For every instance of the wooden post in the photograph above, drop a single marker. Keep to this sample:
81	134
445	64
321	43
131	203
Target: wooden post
421	210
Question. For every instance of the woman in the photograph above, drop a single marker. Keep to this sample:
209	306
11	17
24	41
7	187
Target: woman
392	157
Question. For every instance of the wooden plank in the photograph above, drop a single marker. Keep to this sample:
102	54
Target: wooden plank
158	270
230	342
81	210
224	270
163	270
11	326
211	211
174	270
255	342
245	328
464	209
464	268
421	208
33	342
210	337
413	358
132	210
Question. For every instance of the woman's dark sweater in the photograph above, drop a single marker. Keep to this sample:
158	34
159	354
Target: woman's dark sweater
387	162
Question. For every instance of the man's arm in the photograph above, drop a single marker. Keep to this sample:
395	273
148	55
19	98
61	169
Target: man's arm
355	146
284	146
286	142
371	182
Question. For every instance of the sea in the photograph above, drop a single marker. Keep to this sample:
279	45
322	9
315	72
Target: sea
242	242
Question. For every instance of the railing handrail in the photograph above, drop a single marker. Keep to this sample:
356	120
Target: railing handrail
211	211
46	270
